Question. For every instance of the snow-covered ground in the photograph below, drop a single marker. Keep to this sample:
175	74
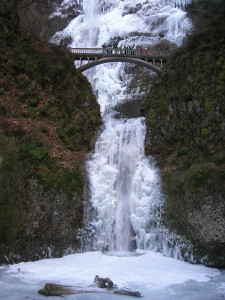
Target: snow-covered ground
157	277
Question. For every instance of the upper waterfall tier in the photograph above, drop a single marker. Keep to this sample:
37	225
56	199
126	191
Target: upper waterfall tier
127	22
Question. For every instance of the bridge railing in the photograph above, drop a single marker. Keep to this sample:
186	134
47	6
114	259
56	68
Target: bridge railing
120	52
86	50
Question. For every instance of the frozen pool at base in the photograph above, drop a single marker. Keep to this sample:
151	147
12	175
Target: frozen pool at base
157	277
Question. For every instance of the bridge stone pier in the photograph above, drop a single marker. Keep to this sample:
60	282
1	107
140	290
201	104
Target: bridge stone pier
91	57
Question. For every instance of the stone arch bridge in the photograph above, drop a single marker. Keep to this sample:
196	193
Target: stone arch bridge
151	59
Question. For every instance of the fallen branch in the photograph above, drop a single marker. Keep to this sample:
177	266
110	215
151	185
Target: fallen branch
101	285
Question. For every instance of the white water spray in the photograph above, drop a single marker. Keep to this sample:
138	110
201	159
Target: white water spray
90	10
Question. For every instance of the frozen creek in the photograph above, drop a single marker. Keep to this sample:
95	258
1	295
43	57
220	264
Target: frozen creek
157	277
118	170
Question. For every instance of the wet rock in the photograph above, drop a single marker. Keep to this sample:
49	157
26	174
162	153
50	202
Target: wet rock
106	283
52	289
126	291
128	109
103	285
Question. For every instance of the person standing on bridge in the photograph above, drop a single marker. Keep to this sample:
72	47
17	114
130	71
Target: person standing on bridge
112	48
108	49
120	49
104	48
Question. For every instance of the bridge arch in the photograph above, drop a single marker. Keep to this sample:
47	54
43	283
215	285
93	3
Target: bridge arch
150	59
104	60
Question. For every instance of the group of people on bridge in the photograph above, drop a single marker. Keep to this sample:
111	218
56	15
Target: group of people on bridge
127	50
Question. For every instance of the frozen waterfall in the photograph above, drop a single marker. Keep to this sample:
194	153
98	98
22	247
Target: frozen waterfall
124	188
122	209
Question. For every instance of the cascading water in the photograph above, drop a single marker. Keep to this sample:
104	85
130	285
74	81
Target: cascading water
90	9
124	187
124	196
123	184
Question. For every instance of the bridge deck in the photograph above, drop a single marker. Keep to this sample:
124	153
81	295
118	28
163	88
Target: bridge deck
115	52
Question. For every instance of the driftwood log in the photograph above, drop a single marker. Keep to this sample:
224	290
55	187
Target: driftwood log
101	285
52	289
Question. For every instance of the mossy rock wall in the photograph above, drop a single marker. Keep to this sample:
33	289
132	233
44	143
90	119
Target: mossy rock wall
36	221
185	132
49	119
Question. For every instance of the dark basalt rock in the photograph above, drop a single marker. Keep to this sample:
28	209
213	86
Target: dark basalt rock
129	109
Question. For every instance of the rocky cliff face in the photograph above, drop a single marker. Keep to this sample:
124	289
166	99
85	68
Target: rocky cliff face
37	221
42	17
45	17
185	132
48	122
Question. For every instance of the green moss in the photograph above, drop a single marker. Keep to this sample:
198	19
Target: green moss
174	207
222	172
208	106
13	194
69	181
33	152
23	81
49	171
182	151
178	184
205	133
196	177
